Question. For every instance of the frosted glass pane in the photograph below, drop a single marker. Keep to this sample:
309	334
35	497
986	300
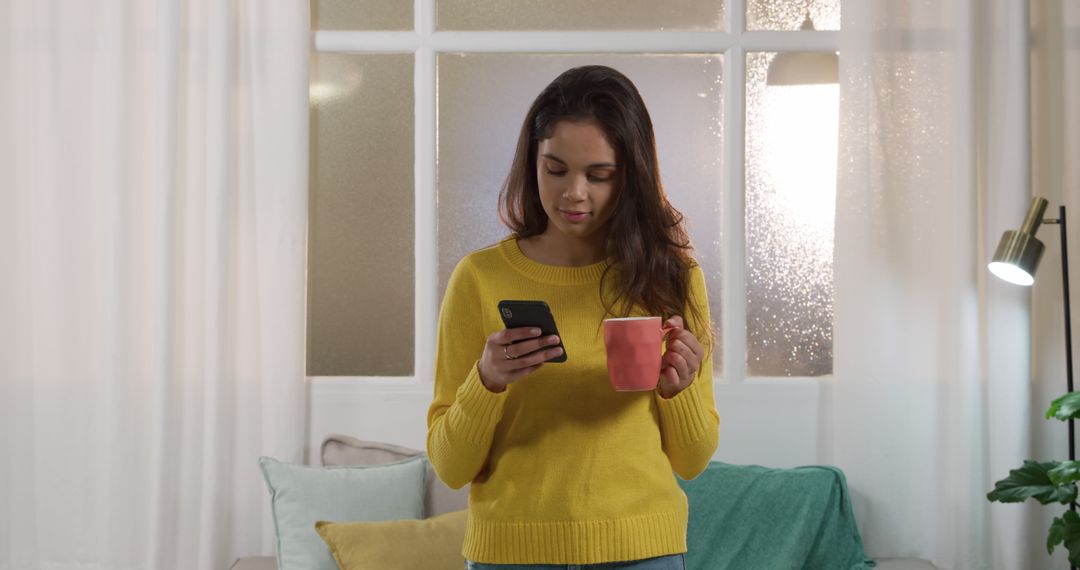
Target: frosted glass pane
791	142
361	15
361	261
478	130
577	15
788	15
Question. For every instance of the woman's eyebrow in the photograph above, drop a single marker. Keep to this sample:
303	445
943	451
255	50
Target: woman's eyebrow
563	162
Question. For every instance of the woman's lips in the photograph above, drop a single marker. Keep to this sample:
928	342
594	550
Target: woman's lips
572	216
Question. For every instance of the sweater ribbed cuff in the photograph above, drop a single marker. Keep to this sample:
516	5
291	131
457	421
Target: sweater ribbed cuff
476	409
682	418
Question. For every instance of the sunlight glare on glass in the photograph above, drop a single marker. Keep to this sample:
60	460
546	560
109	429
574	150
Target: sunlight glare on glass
341	84
800	134
1011	273
323	91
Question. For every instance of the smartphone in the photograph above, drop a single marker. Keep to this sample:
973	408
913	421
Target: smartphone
517	314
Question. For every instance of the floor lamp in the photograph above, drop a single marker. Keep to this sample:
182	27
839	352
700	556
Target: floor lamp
1015	261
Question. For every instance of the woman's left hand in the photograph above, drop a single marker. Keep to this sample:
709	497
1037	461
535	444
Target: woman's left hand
681	361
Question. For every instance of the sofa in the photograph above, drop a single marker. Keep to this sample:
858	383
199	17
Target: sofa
799	518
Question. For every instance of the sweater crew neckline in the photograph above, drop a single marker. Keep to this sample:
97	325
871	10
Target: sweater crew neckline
551	274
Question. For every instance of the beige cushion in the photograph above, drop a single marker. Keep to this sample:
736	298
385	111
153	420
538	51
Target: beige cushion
429	544
343	450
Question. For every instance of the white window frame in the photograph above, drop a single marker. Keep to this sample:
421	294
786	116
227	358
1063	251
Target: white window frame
426	43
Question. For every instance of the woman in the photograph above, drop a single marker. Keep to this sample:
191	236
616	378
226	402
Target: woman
564	469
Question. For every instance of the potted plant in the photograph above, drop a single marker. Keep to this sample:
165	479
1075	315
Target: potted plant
1049	482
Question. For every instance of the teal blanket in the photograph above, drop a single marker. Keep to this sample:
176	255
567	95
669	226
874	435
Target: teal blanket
747	517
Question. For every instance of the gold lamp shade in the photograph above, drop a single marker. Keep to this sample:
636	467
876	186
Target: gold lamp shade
1018	253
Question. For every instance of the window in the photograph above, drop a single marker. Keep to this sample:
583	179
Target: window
414	126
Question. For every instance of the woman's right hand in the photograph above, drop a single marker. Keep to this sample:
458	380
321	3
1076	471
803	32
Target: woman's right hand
504	362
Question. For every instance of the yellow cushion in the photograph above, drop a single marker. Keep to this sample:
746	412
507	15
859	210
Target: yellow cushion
428	544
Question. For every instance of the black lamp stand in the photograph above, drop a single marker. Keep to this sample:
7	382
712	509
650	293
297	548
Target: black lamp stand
1068	321
1068	328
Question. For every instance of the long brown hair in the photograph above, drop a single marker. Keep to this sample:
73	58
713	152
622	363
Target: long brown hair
647	244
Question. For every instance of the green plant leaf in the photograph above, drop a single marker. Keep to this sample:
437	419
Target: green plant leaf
1032	481
1066	472
1066	528
1065	408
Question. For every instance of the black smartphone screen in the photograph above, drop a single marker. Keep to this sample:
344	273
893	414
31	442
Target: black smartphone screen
516	314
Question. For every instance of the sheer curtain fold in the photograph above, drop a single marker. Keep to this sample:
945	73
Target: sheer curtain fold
1055	146
933	358
153	207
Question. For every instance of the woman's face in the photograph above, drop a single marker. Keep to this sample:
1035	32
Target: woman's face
576	172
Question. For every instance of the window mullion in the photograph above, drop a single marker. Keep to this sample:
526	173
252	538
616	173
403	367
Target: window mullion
733	273
573	42
582	42
424	14
426	239
736	17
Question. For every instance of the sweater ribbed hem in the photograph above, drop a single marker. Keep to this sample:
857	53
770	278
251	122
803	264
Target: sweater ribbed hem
683	416
550	274
576	542
478	409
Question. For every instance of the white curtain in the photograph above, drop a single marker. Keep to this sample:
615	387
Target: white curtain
1055	154
934	397
152	248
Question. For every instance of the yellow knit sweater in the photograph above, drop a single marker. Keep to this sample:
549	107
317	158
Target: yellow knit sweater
564	469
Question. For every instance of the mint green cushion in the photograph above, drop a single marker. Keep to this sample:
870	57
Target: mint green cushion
301	495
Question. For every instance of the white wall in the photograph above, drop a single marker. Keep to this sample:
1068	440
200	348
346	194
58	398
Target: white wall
766	422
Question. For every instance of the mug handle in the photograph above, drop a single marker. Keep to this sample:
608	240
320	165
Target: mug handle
664	332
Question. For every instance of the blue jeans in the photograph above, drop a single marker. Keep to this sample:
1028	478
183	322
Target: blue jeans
672	562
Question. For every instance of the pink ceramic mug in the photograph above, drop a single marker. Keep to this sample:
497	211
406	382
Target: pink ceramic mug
634	348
